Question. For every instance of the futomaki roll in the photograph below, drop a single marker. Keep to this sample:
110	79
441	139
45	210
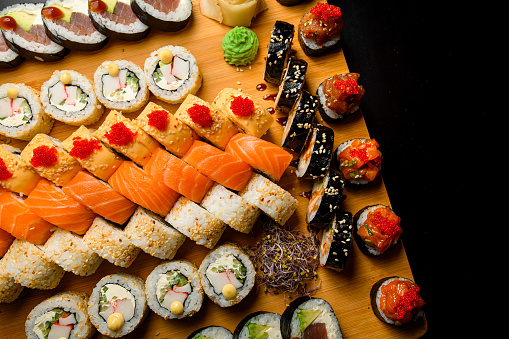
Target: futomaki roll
358	160
212	332
227	275
325	200
116	20
167	16
67	23
174	290
377	229
69	97
291	85
316	156
340	96
278	51
120	85
336	242
259	325
24	33
172	73
396	301
21	112
319	30
8	58
308	317
118	304
63	315
300	122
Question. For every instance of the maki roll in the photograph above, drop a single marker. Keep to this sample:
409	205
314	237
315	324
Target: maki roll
227	275
325	200
15	174
319	31
336	242
291	85
167	16
288	3
377	229
63	315
212	332
396	301
116	20
9	288
21	112
300	122
247	114
69	97
24	33
308	317
8	58
67	23
340	96
172	73
118	304
173	289
316	157
358	160
259	325
50	160
120	85
278	53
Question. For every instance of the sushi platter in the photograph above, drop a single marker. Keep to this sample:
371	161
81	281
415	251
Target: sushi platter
347	291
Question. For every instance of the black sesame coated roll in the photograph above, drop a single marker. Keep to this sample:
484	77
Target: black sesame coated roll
300	122
325	200
336	242
315	158
278	52
291	84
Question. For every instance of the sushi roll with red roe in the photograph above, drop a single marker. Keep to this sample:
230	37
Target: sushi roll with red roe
396	301
319	30
359	160
377	229
340	96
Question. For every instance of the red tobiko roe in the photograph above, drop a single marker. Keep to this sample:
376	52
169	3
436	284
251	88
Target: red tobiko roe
158	119
200	115
44	156
242	107
349	86
386	225
407	302
326	11
120	135
83	148
4	172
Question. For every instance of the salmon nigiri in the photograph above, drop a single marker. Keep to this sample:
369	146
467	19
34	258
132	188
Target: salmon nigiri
51	203
220	166
19	220
178	175
262	155
136	185
100	197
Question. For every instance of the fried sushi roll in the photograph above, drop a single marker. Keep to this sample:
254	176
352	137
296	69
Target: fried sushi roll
359	160
15	174
278	52
174	290
69	97
21	112
227	275
300	122
167	16
336	242
118	304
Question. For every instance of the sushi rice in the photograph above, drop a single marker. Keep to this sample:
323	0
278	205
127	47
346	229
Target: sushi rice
215	332
269	322
9	288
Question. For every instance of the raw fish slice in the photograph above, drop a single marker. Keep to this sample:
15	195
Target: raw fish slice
100	197
51	203
178	175
136	185
264	156
6	240
17	219
220	166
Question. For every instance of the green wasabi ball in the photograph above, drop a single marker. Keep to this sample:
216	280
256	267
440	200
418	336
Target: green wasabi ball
240	46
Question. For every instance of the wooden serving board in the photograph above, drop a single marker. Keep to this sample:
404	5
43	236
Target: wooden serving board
347	291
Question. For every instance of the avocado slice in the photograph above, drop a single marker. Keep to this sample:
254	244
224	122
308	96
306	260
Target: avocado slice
257	331
67	13
24	19
110	5
306	317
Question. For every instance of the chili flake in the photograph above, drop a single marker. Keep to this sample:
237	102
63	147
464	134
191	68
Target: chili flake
120	135
200	114
386	225
158	119
4	172
242	107
326	11
83	148
407	302
348	86
44	156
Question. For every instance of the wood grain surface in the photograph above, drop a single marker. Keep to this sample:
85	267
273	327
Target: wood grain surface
346	291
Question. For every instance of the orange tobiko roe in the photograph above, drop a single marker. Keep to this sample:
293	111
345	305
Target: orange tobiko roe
400	300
